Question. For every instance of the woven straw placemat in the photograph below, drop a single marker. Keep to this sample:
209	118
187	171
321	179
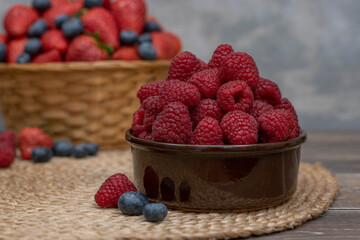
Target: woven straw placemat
56	201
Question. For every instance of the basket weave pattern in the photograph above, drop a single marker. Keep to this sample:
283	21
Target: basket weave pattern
76	101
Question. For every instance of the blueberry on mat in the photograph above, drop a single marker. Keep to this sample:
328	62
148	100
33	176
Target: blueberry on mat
132	203
63	148
91	148
155	212
80	151
41	155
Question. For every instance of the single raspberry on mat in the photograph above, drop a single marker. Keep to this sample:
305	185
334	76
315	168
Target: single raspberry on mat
110	191
259	107
235	95
7	155
207	81
206	108
240	66
179	91
208	132
183	66
173	124
219	56
146	136
286	104
239	128
150	89
267	91
204	65
276	125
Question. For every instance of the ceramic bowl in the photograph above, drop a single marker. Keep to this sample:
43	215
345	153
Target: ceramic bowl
223	178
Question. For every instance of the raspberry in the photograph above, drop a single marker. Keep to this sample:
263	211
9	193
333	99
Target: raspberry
206	108
178	91
146	136
207	81
110	191
204	65
296	132
258	108
183	66
235	95
219	56
152	105
138	125
267	91
240	66
276	125
208	132
7	155
150	89
173	124
239	128
284	103
8	137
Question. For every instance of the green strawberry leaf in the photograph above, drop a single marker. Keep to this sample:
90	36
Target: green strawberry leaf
49	132
100	44
81	13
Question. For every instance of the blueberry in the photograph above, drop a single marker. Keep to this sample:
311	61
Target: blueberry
2	52
93	3
79	151
72	28
147	51
63	148
132	203
155	212
41	154
33	46
41	5
91	148
23	58
145	37
61	19
38	28
128	38
151	26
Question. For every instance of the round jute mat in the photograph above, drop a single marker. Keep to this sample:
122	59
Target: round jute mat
56	201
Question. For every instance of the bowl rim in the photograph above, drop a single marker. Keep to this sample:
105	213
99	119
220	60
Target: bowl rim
254	148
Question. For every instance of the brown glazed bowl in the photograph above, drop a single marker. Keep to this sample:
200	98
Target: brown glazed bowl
227	178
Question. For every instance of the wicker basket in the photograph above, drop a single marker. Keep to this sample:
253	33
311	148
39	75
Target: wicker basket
76	101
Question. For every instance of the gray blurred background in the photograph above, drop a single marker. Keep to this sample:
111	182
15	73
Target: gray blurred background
311	48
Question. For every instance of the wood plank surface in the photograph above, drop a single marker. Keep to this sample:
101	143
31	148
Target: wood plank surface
339	152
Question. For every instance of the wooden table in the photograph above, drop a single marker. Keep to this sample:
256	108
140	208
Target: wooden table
339	153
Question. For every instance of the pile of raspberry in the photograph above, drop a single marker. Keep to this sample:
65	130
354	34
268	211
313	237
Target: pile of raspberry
222	102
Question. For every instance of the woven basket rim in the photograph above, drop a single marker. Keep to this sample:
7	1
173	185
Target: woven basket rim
88	66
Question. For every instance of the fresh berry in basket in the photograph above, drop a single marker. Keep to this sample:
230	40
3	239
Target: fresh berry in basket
227	101
113	25
132	203
30	138
110	191
85	48
3	48
155	212
41	155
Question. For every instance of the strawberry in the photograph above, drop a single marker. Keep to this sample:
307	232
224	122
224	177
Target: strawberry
129	14
54	39
175	42
126	53
99	20
32	137
69	8
15	49
50	56
18	19
85	48
163	45
3	38
57	3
